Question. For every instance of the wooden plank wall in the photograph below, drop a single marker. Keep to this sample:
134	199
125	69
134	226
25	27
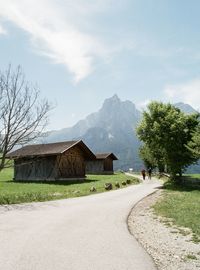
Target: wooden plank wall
108	164
104	166
71	164
36	168
95	166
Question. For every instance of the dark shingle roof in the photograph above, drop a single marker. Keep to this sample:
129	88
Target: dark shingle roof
49	149
106	155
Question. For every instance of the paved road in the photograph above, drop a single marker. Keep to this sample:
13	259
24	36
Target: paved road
88	233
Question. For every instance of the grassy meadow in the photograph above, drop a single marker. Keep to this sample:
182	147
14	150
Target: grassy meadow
196	176
18	192
182	205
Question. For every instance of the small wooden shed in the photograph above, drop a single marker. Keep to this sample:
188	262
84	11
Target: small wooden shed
103	164
52	161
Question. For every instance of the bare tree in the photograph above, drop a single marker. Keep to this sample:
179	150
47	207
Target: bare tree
23	115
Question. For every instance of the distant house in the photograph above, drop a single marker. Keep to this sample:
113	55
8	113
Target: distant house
103	164
52	161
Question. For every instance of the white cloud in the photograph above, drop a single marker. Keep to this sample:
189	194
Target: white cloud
2	31
73	115
143	104
55	30
187	92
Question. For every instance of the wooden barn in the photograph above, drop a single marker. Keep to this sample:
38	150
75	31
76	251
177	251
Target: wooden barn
52	161
103	164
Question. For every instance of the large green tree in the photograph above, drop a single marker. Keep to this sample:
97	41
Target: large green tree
194	145
167	131
147	156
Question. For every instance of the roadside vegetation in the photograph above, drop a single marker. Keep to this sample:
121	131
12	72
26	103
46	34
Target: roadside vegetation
171	138
18	192
181	204
171	143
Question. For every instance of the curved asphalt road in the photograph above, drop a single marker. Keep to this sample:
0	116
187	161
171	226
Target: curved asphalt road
88	233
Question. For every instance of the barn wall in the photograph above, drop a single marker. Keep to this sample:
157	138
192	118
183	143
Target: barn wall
95	167
108	164
71	164
36	168
103	166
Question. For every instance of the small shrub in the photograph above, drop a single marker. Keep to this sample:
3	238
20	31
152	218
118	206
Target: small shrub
93	189
191	257
128	181
108	186
117	185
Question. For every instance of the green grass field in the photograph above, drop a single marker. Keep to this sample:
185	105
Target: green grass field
196	176
18	192
182	205
191	177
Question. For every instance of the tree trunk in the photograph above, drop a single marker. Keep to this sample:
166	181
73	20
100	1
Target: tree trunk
2	162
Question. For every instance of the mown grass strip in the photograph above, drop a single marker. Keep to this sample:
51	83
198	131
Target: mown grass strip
182	205
19	192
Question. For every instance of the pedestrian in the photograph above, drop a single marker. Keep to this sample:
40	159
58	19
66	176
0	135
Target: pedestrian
143	172
149	173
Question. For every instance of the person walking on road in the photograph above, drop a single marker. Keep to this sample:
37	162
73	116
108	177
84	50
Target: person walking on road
143	172
149	173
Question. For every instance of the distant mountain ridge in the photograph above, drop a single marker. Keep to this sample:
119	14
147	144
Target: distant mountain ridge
186	108
111	129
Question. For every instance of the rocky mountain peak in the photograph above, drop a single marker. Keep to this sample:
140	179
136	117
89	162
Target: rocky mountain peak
185	107
111	129
115	105
111	102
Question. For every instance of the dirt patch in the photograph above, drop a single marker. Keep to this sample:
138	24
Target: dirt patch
170	246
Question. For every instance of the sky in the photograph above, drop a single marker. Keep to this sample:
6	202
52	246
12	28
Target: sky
80	52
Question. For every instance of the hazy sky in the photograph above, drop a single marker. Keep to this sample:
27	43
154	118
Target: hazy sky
80	52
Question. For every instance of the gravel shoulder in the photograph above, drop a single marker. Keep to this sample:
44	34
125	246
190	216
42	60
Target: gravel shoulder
170	247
